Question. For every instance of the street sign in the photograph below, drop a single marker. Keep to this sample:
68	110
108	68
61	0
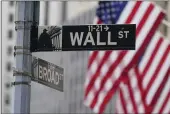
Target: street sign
83	37
47	74
98	37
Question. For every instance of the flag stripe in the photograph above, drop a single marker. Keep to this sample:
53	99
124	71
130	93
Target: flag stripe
112	58
166	100
132	96
159	107
134	11
145	17
152	68
157	95
133	73
158	80
144	62
90	85
129	107
157	70
92	58
109	95
152	56
145	42
123	102
126	12
118	106
141	33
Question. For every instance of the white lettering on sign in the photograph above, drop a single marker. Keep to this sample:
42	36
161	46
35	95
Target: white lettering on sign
78	37
109	40
89	39
40	72
49	75
98	40
121	34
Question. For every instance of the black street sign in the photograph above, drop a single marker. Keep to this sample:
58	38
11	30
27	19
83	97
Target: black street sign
83	37
47	74
98	37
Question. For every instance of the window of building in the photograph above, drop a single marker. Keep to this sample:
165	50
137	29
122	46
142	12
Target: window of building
10	34
6	111
8	67
9	50
11	3
7	100
7	85
11	18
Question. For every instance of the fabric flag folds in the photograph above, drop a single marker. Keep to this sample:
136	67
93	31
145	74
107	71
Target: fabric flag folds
106	68
147	89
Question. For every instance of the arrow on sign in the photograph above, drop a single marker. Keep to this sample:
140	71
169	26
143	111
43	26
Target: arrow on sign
106	28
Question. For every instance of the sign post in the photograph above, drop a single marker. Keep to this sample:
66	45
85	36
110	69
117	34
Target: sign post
26	15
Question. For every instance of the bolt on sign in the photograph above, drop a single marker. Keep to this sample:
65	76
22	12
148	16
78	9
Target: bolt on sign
47	74
85	37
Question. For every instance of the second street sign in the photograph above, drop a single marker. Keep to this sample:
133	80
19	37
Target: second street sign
47	74
98	37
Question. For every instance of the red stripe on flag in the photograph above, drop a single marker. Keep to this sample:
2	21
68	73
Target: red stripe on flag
134	11
132	96
108	74
110	94
139	82
99	22
89	87
167	98
145	17
151	58
157	71
123	101
145	42
159	91
92	58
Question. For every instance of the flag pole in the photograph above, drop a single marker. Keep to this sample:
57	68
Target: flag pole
22	73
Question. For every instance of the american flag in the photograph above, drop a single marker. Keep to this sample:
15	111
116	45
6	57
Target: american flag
147	89
106	68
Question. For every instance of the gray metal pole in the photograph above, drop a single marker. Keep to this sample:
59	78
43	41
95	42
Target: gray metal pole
22	73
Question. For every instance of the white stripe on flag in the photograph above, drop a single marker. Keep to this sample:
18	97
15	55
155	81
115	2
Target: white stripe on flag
126	12
158	80
142	9
153	66
149	51
142	34
162	97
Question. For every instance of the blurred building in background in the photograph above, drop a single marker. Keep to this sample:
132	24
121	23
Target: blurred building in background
45	99
8	42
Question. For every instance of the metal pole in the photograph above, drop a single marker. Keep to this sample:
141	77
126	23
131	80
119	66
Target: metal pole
22	73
